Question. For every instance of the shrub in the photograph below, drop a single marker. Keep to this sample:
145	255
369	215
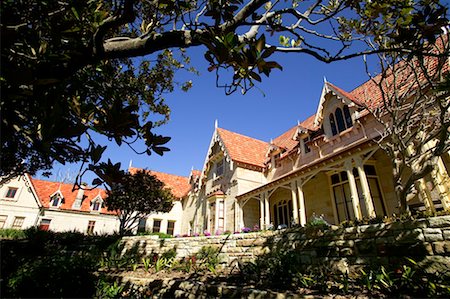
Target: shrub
13	234
59	275
208	257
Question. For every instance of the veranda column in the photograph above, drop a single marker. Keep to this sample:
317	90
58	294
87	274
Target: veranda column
442	182
241	217
237	216
354	194
261	210
425	195
301	200
294	202
267	210
366	191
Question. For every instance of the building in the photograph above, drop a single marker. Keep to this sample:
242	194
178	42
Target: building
328	165
26	202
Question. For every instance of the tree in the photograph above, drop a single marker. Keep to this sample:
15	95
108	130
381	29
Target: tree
414	112
68	74
136	196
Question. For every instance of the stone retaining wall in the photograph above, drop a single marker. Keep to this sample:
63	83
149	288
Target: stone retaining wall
423	240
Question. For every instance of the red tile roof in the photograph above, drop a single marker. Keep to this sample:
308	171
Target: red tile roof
45	189
244	149
179	185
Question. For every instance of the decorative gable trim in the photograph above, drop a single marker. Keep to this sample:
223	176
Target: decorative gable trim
215	139
329	88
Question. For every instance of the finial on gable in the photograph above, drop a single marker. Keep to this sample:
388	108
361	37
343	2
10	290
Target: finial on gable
129	165
325	79
216	124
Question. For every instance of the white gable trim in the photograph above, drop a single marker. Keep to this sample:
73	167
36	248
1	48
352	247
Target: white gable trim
215	138
29	184
327	88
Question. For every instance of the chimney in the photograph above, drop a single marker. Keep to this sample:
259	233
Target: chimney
79	198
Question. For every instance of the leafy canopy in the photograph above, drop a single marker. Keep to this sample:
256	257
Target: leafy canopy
68	74
135	196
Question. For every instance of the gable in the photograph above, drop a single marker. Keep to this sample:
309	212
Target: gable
330	93
19	191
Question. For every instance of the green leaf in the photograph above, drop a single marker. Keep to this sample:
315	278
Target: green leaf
75	13
261	43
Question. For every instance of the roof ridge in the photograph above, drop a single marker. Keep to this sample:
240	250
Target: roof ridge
177	175
243	135
65	184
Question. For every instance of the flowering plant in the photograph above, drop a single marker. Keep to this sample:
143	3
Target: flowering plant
246	229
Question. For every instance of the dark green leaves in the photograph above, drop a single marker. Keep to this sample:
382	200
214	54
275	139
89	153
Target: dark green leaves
137	194
243	57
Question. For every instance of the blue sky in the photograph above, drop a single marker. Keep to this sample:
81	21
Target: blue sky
289	95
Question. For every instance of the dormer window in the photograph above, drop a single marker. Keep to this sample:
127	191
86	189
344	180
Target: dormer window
340	120
56	200
348	117
333	125
96	204
219	168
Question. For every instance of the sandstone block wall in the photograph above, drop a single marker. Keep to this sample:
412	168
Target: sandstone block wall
422	240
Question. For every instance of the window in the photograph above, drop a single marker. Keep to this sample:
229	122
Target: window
3	220
156	225
282	212
45	224
56	200
340	121
90	228
96	205
219	168
18	222
11	192
170	227
221	215
342	196
348	117
333	125
142	225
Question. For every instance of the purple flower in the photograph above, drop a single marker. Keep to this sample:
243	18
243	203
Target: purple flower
207	233
246	229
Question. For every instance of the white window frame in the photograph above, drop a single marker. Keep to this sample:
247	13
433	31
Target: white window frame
16	193
57	195
98	199
3	219
20	219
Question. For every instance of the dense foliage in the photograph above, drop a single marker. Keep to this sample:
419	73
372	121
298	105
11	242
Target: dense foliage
67	72
135	196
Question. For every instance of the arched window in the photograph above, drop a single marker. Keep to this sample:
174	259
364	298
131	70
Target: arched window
348	117
333	125
340	120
